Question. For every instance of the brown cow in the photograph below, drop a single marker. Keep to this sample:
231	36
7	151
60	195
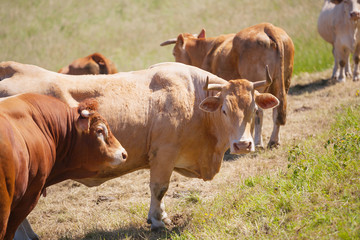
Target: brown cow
167	117
244	55
95	63
43	142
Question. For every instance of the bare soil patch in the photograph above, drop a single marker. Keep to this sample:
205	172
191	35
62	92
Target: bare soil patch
118	208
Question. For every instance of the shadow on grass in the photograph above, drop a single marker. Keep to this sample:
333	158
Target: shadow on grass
316	85
179	223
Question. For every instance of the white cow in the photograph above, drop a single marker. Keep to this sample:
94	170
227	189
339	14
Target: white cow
338	24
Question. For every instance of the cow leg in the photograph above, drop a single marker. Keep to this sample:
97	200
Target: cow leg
341	55
25	232
161	167
334	75
5	213
19	213
356	58
259	114
275	135
348	69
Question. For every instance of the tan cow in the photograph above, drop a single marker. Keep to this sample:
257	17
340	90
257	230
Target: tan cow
44	142
95	63
245	55
339	25
168	117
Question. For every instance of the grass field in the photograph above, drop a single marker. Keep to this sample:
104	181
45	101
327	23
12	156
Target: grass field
52	33
306	189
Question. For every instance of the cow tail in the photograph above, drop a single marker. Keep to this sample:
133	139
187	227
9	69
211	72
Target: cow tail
279	86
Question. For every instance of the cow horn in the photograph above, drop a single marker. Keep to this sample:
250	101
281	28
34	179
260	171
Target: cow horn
85	113
212	86
168	42
266	82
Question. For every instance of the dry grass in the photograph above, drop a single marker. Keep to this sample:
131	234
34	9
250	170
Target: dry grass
118	208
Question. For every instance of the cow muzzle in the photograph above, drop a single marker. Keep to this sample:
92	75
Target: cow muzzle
242	147
120	157
355	15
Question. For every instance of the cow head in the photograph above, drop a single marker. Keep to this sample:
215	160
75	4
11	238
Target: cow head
183	43
351	7
95	63
97	147
236	102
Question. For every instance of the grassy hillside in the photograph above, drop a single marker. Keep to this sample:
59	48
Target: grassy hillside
52	33
316	197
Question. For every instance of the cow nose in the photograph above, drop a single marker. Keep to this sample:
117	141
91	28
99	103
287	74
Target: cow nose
124	155
242	146
355	15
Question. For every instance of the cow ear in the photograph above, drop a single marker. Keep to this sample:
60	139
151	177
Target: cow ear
202	34
336	1
180	40
83	122
99	59
266	100
210	104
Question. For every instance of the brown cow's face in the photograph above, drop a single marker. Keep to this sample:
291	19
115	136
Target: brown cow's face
236	105
97	147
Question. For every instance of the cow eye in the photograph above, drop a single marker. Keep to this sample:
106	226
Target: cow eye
100	131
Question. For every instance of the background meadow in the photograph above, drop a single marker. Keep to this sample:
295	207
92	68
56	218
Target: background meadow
52	33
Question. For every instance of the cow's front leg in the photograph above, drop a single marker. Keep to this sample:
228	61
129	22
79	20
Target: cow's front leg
259	114
356	58
334	76
348	69
275	135
25	232
161	167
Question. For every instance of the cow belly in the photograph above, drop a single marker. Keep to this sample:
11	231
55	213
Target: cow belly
187	173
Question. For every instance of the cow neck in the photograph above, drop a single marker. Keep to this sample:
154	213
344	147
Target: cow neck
197	50
216	147
65	138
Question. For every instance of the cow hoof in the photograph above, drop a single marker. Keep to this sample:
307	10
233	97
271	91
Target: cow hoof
259	147
357	78
167	221
273	145
156	225
341	80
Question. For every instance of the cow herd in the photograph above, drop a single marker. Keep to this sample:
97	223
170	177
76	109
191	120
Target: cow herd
181	116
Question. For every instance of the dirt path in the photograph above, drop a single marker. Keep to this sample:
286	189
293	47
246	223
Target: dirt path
73	210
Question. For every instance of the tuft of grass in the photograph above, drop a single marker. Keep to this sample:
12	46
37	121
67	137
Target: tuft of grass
316	197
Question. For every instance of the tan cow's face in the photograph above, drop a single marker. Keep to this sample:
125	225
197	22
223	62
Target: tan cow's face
97	147
351	7
236	105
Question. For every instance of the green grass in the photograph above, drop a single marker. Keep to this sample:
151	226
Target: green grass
53	33
317	197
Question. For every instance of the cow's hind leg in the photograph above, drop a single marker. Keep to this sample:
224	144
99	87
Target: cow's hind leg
161	167
259	114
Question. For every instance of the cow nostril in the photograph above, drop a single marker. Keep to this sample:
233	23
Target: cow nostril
124	155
